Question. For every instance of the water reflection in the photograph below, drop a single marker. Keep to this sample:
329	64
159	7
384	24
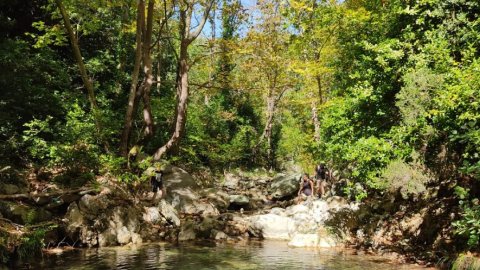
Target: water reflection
252	255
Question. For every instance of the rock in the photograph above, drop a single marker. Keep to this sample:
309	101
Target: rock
326	239
319	239
296	209
336	202
273	226
239	225
220	236
239	200
412	224
285	186
97	221
177	178
169	212
93	204
220	199
24	214
123	235
304	240
41	200
278	211
206	228
187	232
152	215
231	181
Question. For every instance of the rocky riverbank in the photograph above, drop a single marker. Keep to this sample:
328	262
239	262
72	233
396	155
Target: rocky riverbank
236	208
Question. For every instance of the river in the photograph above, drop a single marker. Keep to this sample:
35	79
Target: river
245	255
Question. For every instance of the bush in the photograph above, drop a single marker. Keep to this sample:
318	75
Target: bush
403	177
469	225
32	244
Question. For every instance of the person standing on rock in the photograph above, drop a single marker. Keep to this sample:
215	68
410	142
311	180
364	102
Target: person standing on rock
306	187
157	183
321	174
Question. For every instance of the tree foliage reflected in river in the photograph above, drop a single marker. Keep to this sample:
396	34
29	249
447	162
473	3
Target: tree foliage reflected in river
251	255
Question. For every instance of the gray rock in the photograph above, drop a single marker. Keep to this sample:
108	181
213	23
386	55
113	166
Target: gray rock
169	212
24	214
218	198
239	200
152	215
177	178
187	232
231	181
273	226
93	204
284	186
95	221
220	236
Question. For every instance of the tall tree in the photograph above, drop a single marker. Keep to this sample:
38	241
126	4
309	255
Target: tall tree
267	65
132	98
187	36
87	81
316	25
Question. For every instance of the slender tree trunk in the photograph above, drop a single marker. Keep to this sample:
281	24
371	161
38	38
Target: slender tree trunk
132	100
316	122
186	38
320	89
87	82
147	69
182	99
159	68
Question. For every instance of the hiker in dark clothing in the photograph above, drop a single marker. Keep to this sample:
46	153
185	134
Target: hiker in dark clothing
306	187
157	182
321	174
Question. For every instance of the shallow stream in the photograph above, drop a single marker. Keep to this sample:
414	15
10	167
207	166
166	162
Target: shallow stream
249	255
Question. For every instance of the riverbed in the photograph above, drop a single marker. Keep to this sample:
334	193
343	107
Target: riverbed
210	255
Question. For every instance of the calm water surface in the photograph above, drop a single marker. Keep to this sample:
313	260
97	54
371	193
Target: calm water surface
252	255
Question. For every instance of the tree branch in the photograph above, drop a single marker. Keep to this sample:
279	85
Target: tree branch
193	35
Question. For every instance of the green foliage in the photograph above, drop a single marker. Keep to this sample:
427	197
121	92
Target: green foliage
466	261
406	178
469	225
31	244
74	148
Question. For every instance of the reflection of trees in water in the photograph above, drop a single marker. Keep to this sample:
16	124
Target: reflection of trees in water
242	255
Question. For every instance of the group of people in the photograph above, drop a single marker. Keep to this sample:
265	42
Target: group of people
316	186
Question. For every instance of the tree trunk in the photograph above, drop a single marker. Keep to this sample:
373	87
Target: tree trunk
272	102
132	100
182	98
186	38
147	69
316	122
87	82
320	89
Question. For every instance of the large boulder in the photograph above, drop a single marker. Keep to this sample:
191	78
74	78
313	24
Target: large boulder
180	193
177	178
219	198
239	200
99	221
284	186
169	213
273	226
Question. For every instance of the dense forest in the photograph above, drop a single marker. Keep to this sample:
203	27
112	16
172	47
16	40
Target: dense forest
385	92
